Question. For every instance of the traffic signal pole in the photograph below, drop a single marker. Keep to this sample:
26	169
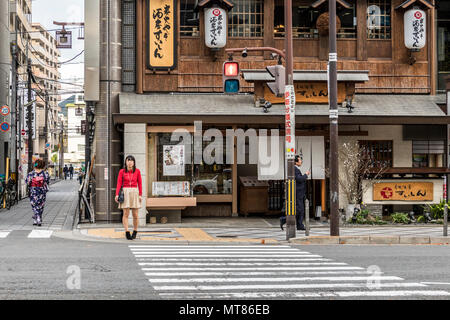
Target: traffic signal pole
334	156
290	193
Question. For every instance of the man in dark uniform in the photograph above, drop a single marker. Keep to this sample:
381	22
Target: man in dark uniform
300	189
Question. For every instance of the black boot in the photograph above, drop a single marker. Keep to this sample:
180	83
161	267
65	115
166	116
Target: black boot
281	225
128	235
133	236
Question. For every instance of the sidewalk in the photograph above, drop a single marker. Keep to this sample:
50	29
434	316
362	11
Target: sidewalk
58	213
263	230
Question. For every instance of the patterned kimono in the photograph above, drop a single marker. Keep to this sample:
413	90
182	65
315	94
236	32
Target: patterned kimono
38	183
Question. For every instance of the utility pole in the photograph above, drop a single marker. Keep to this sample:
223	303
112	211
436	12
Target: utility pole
29	120
334	155
14	111
289	121
46	129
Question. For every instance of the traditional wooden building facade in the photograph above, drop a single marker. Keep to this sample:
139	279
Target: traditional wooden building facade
171	78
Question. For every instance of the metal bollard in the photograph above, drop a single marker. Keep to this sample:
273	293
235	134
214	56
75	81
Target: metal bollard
307	217
445	220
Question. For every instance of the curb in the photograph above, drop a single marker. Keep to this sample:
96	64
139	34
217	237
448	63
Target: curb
364	240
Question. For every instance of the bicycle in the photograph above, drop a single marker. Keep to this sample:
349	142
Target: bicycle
8	195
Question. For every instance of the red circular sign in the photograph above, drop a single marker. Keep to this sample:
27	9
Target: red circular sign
386	193
418	14
4	110
216	12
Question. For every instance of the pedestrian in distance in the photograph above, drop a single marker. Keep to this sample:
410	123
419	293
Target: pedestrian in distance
300	189
66	172
71	172
130	182
37	181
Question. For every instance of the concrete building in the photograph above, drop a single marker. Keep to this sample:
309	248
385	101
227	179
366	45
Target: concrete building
5	67
45	68
76	115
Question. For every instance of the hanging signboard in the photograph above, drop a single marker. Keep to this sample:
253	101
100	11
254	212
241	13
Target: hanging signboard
289	117
173	160
415	29
162	30
64	39
33	119
215	27
312	92
171	188
4	110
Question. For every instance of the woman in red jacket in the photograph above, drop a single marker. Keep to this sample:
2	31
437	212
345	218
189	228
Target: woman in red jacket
131	181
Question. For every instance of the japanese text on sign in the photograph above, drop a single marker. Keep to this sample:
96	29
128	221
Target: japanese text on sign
161	34
403	191
289	105
215	27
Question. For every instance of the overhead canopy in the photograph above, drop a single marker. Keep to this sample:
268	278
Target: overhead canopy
407	3
251	75
240	110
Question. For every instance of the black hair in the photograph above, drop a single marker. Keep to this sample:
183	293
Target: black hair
39	164
297	157
130	157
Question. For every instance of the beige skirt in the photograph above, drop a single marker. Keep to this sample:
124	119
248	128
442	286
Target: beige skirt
131	199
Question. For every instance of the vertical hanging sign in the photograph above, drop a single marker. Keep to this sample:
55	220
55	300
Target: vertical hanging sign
215	27
415	29
289	116
161	34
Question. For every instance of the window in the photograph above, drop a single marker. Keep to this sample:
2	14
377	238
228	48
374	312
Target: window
379	19
189	22
304	19
379	151
246	19
428	153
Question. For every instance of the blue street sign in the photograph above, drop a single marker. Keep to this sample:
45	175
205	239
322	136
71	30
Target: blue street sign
4	126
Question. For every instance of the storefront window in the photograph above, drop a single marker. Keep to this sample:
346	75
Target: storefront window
428	154
378	151
304	19
379	19
189	21
175	164
246	19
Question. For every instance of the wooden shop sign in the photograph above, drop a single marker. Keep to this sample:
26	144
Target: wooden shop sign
403	191
161	34
309	92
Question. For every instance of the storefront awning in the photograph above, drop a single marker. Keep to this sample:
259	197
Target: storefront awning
240	110
252	75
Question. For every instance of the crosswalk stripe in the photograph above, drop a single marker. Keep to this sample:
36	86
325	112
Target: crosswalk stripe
4	234
39	234
287	286
256	268
217	250
257	273
190	264
289	279
342	294
226	255
221	259
204	246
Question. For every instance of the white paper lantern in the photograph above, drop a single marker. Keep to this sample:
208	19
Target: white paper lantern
215	27
415	29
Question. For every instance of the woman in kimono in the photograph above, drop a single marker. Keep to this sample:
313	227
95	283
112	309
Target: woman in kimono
37	181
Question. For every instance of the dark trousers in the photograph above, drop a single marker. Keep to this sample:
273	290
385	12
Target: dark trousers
300	214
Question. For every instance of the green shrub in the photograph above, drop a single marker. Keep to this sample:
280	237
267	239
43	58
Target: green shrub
400	217
364	217
421	219
436	210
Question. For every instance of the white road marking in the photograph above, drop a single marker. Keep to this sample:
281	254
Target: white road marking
217	249
290	279
40	234
218	259
255	269
4	233
225	256
343	294
438	283
190	264
258	273
286	286
210	246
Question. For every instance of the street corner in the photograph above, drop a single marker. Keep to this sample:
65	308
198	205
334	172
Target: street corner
324	240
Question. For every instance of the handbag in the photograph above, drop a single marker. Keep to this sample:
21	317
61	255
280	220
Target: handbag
121	197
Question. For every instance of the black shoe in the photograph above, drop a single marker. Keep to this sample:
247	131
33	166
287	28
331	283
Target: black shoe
281	225
301	228
133	236
34	224
39	224
128	235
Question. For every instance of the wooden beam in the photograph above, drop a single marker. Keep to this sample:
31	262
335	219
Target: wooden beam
432	57
407	3
343	3
213	198
269	41
361	47
169	129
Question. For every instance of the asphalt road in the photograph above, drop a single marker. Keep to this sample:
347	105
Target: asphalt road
49	269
